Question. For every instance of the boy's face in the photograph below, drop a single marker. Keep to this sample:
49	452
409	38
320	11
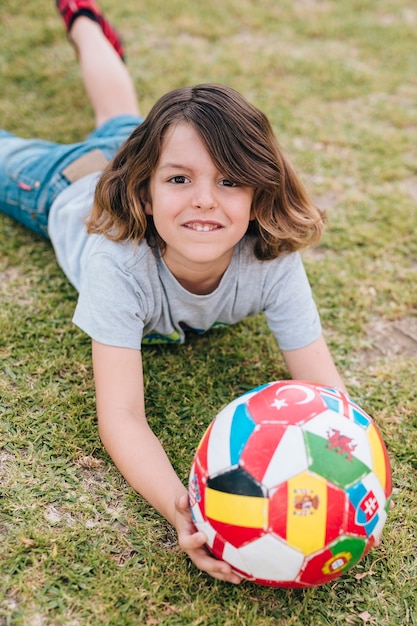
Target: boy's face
199	213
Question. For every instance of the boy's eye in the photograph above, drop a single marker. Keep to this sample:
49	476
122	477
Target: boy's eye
228	183
178	180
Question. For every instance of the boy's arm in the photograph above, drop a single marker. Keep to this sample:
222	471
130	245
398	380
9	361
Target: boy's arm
314	364
137	452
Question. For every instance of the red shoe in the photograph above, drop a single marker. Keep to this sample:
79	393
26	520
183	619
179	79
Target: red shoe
71	9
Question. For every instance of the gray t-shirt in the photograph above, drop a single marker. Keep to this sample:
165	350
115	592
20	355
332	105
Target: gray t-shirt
128	296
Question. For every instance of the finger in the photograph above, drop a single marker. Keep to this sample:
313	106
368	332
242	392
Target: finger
228	578
182	503
222	571
192	542
214	567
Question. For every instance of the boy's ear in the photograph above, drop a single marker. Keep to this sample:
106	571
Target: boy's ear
148	207
145	201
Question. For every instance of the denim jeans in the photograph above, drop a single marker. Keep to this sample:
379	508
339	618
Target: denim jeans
31	170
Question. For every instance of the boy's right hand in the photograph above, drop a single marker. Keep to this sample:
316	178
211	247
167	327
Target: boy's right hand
194	544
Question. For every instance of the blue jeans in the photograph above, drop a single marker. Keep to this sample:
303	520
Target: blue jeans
31	170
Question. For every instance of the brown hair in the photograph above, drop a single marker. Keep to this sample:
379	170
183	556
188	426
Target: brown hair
240	140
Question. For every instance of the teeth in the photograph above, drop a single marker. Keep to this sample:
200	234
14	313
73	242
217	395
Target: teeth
202	227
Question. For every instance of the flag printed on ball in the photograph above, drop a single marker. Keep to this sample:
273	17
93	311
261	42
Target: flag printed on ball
291	484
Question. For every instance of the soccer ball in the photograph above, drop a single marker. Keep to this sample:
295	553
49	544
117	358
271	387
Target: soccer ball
291	483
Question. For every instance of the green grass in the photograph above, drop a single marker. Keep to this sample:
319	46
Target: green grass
337	79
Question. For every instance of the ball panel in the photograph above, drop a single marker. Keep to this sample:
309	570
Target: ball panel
278	506
236	535
340	403
241	429
289	459
272	559
236	506
380	461
238	481
332	561
333	399
332	458
345	548
260	448
274	453
337	512
218	450
368	499
306	512
351	526
343	436
224	439
236	510
359	416
234	557
286	402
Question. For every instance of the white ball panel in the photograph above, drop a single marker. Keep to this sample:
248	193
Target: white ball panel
218	453
272	559
233	556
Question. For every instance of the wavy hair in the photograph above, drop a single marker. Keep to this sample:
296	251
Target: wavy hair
242	145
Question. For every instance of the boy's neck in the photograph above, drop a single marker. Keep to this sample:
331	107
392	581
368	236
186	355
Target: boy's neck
199	281
199	278
200	287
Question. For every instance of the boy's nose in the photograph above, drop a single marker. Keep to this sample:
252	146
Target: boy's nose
204	197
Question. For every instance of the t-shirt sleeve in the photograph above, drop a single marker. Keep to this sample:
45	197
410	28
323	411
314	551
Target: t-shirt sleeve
289	308
111	308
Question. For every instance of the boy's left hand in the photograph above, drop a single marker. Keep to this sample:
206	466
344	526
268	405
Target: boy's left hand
194	544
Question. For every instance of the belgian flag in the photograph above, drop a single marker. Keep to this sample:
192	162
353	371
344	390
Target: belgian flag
234	498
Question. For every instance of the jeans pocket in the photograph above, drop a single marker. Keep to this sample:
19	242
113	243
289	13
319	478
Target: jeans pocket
24	171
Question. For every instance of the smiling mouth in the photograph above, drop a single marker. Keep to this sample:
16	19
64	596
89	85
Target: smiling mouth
199	227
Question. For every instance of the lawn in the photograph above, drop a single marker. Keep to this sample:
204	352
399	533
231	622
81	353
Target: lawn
338	80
